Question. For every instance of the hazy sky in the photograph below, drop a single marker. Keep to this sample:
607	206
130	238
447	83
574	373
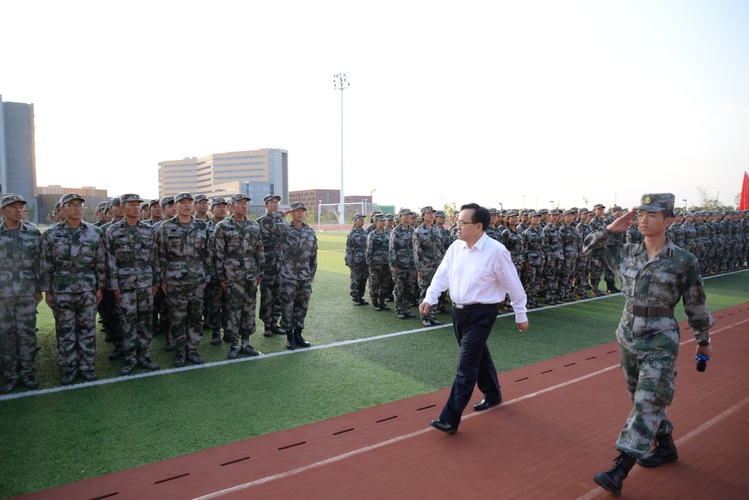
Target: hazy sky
511	102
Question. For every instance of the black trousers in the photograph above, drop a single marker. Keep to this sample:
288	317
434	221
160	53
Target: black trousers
472	327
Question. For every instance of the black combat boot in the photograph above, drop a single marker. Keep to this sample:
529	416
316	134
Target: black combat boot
290	341
664	452
300	342
611	481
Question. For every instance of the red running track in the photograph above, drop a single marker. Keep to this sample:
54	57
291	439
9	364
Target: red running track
555	430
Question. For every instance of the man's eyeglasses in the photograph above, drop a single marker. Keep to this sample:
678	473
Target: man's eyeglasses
464	222
74	205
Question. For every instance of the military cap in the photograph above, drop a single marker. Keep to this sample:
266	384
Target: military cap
657	202
11	198
102	206
239	196
573	210
144	204
154	202
375	212
584	210
70	197
616	208
166	200
525	212
568	212
493	211
389	217
405	211
554	211
297	205
535	214
379	217
543	211
358	216
269	197
182	196
597	206
427	209
130	197
115	201
200	197
512	213
219	200
440	213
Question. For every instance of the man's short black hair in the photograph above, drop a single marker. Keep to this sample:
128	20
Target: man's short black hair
480	214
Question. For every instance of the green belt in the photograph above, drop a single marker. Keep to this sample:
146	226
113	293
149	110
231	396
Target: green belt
650	312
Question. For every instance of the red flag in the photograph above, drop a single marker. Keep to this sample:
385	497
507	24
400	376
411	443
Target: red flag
744	200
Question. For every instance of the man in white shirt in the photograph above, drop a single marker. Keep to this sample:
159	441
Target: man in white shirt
479	273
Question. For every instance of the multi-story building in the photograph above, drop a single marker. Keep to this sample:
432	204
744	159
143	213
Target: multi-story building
255	173
17	156
313	197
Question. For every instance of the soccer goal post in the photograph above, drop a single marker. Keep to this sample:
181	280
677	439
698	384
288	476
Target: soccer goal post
329	215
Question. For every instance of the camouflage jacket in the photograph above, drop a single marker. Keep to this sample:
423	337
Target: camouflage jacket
185	252
132	256
553	242
299	252
272	225
401	250
583	230
570	243
356	247
72	260
671	276
535	246
377	248
675	233
19	268
238	251
514	242
428	248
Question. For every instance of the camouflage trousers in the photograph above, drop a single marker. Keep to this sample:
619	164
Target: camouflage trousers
582	269
17	335
241	301
424	282
215	315
162	318
533	280
135	310
110	319
358	279
295	296
566	274
596	270
405	289
186	306
270	293
650	376
380	284
551	272
75	323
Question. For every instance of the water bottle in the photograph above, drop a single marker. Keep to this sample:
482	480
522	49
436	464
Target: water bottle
702	362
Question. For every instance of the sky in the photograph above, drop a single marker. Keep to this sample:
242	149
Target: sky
505	103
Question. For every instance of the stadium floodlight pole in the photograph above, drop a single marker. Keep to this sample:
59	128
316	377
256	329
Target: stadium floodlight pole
340	82
685	204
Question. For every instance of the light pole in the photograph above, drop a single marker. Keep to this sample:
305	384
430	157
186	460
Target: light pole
340	82
685	204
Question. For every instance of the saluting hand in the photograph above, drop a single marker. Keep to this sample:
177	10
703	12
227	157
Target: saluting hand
622	223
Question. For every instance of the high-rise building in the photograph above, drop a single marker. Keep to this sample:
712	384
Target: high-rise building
255	173
17	157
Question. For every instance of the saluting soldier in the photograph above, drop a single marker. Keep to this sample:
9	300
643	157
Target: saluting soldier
597	222
570	246
133	274
354	257
185	261
298	268
19	294
72	266
239	262
554	257
162	316
582	268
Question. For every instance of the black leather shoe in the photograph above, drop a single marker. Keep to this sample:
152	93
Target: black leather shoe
444	427
129	367
29	382
216	338
299	340
116	354
277	329
69	378
485	405
194	358
179	361
148	364
89	376
249	350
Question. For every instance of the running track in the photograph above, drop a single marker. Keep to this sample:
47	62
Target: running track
555	430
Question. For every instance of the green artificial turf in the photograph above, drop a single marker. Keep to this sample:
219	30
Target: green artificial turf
61	437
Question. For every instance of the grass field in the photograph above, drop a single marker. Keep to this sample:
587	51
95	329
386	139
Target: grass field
55	436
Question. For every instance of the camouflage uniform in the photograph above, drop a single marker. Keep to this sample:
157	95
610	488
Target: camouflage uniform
162	315
535	248
214	302
109	314
356	247
596	268
185	261
376	257
648	334
582	268
570	247
239	261
19	295
428	251
272	226
298	268
554	260
401	257
133	269
72	266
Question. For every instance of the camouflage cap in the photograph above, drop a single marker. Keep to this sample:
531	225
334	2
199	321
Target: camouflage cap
512	213
153	202
219	200
427	209
405	211
115	201
239	196
543	211
182	196
573	210
298	205
166	200
11	198
200	197
554	211
269	197
584	210
389	217
130	197
657	202
535	214
568	212
597	206
493	211
358	216
616	208
68	197
440	213
380	217
144	204
102	206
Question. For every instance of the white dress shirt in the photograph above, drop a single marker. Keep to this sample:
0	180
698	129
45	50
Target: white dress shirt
483	274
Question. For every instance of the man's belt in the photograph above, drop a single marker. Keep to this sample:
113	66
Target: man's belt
468	307
650	312
73	269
